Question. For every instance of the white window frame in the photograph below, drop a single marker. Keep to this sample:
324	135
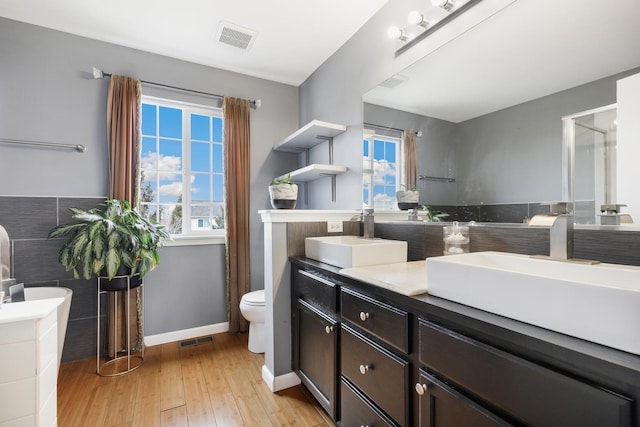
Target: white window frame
189	236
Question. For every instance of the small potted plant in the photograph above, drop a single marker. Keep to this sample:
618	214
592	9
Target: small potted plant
408	199
284	193
433	215
111	242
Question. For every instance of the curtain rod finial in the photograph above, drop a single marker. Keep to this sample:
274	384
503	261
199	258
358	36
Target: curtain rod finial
257	103
97	74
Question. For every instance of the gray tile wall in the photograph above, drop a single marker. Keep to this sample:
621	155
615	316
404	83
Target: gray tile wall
34	261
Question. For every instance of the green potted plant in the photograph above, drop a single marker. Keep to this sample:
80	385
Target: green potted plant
111	242
284	193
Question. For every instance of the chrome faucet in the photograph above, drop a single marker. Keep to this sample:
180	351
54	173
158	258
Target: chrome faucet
561	237
560	219
368	220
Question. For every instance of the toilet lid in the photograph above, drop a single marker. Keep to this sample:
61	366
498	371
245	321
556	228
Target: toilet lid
254	298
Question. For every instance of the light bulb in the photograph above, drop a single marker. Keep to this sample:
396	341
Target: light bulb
394	33
414	17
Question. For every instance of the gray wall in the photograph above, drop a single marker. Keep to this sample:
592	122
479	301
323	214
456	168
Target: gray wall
515	155
47	93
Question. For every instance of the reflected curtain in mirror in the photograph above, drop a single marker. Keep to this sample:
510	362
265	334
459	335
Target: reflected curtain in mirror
123	135
237	168
410	159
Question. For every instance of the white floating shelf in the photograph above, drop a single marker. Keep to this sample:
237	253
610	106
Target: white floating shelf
313	172
310	135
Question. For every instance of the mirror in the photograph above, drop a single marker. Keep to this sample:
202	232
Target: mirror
490	103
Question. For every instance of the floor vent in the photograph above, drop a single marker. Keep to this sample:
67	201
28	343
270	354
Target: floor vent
235	35
196	341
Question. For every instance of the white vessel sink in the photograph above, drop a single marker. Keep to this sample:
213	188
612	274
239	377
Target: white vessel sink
598	303
354	251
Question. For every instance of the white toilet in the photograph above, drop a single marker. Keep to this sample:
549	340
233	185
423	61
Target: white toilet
252	309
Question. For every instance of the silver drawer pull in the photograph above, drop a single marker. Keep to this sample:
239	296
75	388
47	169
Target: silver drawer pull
328	329
421	388
364	369
364	316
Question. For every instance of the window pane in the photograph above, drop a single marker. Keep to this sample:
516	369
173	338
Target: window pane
171	217
170	159
200	127
148	119
217	158
200	158
200	187
148	186
149	210
390	151
390	175
378	149
170	122
218	188
171	189
365	148
200	217
218	220
217	129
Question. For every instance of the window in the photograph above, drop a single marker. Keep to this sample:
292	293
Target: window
382	171
181	165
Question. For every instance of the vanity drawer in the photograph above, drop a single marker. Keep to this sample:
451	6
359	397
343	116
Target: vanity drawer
378	373
388	323
531	393
316	290
357	410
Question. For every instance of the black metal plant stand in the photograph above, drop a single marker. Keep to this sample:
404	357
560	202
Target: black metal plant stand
124	360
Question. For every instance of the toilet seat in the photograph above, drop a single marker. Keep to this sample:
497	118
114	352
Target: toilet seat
255	298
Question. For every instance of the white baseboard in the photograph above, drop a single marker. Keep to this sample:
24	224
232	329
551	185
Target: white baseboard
186	334
281	381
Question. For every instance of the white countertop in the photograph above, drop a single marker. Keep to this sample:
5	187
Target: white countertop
407	278
19	311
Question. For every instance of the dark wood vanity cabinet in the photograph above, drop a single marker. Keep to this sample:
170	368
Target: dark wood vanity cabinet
376	358
529	394
315	337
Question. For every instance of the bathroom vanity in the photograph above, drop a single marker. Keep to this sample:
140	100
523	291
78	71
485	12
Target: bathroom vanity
29	368
372	356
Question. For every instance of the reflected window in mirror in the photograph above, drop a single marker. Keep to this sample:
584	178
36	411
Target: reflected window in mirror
382	166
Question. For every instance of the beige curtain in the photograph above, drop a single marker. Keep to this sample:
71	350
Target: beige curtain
123	124
410	155
237	162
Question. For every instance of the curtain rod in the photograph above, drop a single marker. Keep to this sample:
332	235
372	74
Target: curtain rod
80	148
99	74
418	133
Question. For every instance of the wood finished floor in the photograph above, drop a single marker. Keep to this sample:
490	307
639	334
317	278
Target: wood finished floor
210	384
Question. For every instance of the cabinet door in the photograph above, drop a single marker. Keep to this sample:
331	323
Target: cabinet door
531	393
442	406
315	354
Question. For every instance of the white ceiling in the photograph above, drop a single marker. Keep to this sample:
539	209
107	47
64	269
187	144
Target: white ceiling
294	36
530	49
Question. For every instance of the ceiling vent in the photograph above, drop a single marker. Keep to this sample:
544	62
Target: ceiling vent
393	81
235	35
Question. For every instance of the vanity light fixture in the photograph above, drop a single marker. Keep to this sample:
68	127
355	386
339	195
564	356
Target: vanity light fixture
421	24
445	4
